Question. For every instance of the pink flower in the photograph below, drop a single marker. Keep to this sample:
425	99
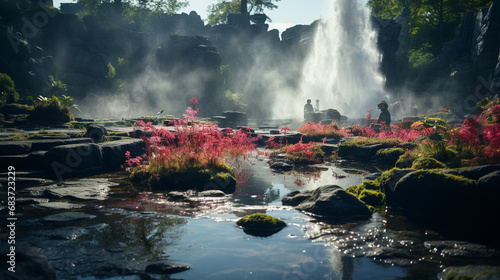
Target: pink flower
193	100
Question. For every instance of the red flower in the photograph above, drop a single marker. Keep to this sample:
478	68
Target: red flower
193	100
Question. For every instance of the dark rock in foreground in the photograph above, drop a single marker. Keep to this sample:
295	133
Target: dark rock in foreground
471	272
331	202
29	264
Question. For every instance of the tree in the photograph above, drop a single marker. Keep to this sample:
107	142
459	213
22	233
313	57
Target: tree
432	22
217	13
167	6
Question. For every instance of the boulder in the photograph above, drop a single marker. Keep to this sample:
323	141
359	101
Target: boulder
14	148
73	160
332	202
113	153
30	263
295	198
433	195
474	173
96	132
470	272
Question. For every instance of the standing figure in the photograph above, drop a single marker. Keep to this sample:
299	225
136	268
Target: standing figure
316	107
385	116
308	108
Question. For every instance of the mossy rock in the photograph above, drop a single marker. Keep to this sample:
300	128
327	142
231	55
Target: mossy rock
199	179
389	156
470	272
48	135
434	195
370	192
427	163
405	161
260	224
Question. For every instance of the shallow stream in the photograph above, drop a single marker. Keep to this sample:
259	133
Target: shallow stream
129	229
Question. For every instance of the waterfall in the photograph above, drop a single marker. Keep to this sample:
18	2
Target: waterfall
342	68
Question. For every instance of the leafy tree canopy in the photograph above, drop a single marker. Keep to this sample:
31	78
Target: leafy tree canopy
432	22
217	13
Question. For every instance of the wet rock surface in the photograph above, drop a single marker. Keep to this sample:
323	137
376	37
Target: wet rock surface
331	202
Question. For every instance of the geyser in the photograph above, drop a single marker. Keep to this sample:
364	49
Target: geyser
342	68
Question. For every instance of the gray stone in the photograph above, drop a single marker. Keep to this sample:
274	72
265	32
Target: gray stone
114	152
68	217
30	200
14	148
74	160
59	205
96	132
490	181
212	193
333	202
474	173
295	198
83	189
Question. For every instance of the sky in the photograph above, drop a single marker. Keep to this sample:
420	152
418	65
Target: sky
288	13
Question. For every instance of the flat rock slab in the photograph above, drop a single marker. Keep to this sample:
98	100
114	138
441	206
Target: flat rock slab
68	217
30	200
84	189
59	205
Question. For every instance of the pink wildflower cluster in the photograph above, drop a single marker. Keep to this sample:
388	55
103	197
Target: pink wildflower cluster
190	145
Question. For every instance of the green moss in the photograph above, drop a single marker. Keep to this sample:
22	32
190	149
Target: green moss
405	161
370	192
427	163
260	221
372	197
42	134
389	156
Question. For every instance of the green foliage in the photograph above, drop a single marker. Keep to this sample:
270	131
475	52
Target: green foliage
217	13
117	74
8	93
53	109
432	23
427	163
389	156
167	6
260	221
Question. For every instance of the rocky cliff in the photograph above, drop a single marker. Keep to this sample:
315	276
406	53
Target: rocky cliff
467	70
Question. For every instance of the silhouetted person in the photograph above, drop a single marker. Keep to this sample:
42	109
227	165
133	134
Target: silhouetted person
385	116
308	108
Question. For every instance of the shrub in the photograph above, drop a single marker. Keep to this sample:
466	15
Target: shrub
52	110
305	153
8	93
